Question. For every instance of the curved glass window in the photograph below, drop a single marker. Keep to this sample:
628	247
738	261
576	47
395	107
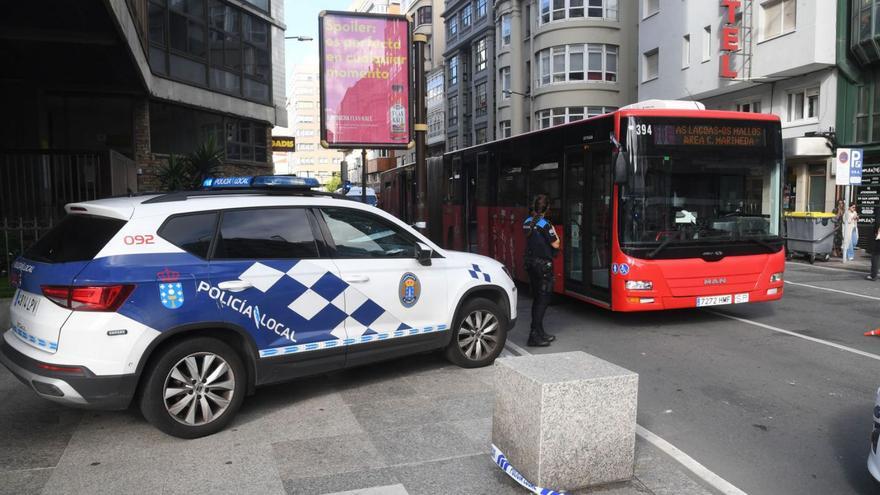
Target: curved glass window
560	10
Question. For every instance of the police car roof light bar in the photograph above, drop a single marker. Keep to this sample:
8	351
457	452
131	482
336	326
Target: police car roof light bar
257	185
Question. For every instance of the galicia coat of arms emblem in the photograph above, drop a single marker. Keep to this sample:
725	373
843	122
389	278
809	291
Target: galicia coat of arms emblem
170	289
409	290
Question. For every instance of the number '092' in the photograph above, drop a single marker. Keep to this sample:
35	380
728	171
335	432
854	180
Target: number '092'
133	240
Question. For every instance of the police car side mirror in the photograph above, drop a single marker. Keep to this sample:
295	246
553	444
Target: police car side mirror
424	254
620	166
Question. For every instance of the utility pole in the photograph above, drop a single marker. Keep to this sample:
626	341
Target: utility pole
421	130
364	176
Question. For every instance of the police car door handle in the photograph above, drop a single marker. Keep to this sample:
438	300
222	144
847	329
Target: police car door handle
356	279
235	285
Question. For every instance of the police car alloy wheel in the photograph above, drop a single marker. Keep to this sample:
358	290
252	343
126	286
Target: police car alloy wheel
194	388
479	334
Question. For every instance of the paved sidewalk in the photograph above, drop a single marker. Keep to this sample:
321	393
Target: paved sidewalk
862	263
411	426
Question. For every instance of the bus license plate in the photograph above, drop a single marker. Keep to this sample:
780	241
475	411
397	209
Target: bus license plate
26	302
714	300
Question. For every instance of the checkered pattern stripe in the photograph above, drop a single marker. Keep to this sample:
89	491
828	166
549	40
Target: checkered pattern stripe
45	344
363	339
323	300
476	273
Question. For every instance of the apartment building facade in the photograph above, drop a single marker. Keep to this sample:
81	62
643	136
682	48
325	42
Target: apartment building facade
770	56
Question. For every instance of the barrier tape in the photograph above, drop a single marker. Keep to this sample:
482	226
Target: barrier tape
501	461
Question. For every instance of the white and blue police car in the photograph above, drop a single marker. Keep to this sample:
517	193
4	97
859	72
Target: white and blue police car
185	302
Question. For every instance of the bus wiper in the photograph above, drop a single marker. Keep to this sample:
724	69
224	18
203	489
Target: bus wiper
659	248
770	248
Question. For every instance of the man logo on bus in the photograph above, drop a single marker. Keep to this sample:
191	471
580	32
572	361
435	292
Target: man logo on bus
624	269
409	290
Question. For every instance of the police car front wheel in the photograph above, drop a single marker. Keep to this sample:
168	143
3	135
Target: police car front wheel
194	388
480	333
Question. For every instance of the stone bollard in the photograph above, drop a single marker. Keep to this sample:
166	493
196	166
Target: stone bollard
567	420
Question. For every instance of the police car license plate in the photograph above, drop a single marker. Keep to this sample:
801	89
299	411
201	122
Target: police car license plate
26	302
714	300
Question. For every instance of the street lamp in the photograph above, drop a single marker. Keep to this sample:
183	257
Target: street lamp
509	92
299	38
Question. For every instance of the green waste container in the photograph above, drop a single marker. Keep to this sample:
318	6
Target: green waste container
809	234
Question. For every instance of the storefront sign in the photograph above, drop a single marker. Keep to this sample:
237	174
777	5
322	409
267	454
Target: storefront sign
365	80
729	39
867	196
283	144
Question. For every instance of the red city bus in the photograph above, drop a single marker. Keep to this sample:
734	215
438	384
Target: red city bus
657	208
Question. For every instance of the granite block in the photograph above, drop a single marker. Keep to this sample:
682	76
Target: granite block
566	421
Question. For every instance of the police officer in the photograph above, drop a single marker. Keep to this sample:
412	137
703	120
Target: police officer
542	244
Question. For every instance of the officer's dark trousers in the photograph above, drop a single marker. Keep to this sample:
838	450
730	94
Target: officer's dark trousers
541	282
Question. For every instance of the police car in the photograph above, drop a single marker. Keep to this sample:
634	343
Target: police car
185	302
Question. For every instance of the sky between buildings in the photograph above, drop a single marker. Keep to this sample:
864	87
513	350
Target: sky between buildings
301	17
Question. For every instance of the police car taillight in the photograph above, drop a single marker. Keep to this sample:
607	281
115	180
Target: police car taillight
88	298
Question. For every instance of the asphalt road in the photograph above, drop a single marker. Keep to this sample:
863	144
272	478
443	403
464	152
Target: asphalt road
768	411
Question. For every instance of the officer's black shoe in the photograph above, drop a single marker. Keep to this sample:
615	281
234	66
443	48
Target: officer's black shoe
536	340
549	337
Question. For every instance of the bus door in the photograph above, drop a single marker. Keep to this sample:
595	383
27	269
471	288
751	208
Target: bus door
598	212
476	204
588	221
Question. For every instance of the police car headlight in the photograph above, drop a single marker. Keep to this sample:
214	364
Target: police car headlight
639	285
776	277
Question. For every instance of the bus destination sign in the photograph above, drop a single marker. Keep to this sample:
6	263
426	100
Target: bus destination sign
709	135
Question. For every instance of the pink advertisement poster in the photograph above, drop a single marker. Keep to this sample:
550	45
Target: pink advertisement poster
365	80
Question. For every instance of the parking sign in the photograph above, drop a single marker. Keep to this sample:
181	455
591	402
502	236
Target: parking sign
857	157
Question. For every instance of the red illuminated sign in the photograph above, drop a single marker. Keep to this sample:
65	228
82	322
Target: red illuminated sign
365	80
729	38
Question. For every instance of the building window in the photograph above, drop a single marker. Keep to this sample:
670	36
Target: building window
424	15
777	17
565	63
504	129
245	141
466	16
304	105
651	7
751	106
505	30
563	115
803	104
453	70
505	82
452	144
452	110
707	43
481	9
480	55
482	102
452	26
434	93
305	146
436	123
222	47
650	65
558	10
686	51
481	135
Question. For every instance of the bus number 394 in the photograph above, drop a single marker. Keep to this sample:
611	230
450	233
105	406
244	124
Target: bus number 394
643	129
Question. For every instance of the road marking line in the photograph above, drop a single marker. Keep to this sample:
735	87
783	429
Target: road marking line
688	462
874	298
796	334
807	267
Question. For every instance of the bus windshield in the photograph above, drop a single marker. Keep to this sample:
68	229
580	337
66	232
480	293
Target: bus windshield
685	198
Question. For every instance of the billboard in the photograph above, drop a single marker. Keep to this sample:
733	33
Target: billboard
365	80
283	143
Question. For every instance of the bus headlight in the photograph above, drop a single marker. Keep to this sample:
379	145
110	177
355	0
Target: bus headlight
639	285
776	277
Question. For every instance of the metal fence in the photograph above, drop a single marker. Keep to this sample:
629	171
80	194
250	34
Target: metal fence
17	234
35	186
